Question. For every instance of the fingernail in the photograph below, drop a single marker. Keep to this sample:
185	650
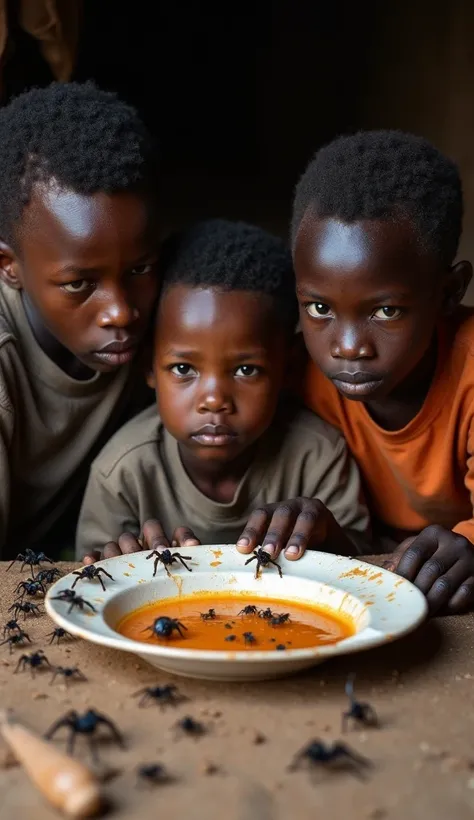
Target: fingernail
175	544
243	542
190	542
270	548
292	550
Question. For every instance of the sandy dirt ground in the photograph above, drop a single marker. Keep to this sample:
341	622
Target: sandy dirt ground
423	753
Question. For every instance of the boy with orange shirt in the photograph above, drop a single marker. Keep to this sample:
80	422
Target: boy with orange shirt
376	224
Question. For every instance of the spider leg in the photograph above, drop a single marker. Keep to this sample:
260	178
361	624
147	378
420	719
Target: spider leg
101	569
101	581
370	715
71	741
346	716
86	603
339	750
113	730
252	558
79	576
349	687
56	672
181	557
257	568
155	566
80	675
66	720
18	558
277	566
92	741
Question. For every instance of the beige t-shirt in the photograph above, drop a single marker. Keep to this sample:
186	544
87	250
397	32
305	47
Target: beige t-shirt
51	428
139	475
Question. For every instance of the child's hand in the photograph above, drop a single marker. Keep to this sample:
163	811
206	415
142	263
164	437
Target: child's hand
294	526
441	564
153	538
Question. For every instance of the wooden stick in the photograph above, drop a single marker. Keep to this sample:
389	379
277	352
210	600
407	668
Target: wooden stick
69	785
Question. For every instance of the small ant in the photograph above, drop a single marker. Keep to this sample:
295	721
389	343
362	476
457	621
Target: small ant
164	627
276	620
359	712
249	637
25	607
34	661
250	609
89	573
189	726
154	774
166	557
17	639
263	559
318	753
231	638
163	695
68	673
280	646
73	599
210	615
57	634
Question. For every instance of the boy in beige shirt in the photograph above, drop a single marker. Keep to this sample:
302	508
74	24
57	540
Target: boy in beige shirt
78	279
214	463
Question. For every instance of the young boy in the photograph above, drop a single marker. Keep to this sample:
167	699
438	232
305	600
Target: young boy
78	278
221	445
376	224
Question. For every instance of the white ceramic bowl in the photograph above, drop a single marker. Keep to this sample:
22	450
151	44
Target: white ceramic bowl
381	605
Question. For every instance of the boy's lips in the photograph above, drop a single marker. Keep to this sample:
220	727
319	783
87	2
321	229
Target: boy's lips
116	353
214	435
358	383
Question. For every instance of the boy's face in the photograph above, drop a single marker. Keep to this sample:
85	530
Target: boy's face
219	362
369	298
88	267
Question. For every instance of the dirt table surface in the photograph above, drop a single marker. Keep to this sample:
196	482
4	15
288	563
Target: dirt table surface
422	688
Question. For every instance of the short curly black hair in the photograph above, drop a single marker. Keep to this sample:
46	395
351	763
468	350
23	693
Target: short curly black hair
82	138
385	175
233	256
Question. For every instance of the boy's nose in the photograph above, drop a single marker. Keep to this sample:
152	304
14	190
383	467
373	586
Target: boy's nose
215	401
349	344
117	311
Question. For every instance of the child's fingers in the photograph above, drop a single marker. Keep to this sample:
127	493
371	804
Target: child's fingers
154	535
463	598
255	530
443	587
279	530
310	529
421	548
184	537
127	544
112	549
91	557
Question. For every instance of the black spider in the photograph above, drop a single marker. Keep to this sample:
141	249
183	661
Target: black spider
164	627
30	559
189	726
249	637
163	695
263	559
89	573
317	753
86	724
154	774
166	557
48	576
57	634
68	673
210	615
265	613
27	607
73	599
30	587
276	620
359	712
250	609
16	639
10	626
34	661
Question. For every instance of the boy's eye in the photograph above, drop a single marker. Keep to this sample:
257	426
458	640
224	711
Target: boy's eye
183	370
79	286
387	313
142	270
318	310
247	370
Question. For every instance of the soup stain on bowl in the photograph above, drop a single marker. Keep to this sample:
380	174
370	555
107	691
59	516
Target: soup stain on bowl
302	625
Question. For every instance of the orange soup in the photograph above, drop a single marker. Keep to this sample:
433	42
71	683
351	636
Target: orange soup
237	622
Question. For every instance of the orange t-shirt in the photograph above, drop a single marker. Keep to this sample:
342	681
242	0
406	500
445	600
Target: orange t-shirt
424	473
